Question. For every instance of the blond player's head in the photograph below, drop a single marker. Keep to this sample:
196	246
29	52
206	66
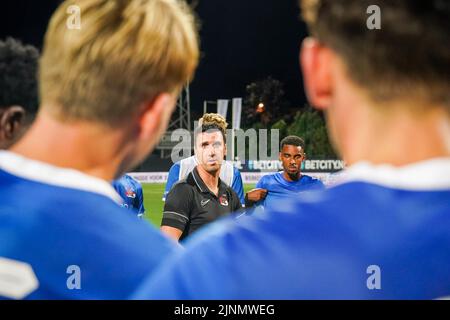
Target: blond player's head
123	67
210	141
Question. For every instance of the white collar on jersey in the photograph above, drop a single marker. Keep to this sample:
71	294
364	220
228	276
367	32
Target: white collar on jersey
433	174
45	173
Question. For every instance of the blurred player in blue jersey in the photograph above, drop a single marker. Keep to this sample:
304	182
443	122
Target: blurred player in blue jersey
18	89
130	190
107	89
290	182
229	174
383	233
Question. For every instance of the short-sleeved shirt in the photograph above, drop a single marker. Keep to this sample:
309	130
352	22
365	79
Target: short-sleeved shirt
191	205
130	190
228	174
63	235
383	233
279	188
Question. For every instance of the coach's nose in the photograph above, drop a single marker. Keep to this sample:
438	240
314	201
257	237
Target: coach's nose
212	151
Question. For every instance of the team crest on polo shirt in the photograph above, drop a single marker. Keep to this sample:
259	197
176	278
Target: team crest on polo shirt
223	200
130	194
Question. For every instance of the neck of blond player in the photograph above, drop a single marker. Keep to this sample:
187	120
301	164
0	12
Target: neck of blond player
87	147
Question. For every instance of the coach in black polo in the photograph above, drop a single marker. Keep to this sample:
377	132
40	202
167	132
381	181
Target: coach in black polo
202	197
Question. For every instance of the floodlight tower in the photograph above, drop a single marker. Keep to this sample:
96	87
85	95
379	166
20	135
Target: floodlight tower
181	118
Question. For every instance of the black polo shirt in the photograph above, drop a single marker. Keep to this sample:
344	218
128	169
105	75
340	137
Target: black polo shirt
190	204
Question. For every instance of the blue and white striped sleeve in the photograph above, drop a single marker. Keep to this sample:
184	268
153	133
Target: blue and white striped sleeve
174	174
238	186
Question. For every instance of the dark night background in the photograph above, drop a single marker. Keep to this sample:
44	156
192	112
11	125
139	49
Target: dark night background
241	41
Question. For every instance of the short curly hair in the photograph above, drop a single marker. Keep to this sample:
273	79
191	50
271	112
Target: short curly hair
213	121
209	118
293	141
18	75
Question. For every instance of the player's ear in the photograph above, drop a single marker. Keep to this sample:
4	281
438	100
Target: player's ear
225	150
155	115
316	63
11	118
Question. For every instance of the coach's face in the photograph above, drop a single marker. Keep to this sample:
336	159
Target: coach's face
291	157
210	150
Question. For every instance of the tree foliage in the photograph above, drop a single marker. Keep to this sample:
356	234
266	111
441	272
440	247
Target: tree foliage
270	93
310	125
277	114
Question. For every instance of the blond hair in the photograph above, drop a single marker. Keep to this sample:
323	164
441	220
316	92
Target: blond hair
213	118
212	121
125	54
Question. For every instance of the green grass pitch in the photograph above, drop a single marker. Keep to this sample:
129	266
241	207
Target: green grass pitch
153	201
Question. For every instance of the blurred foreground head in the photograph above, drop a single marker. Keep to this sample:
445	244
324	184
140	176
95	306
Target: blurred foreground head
18	89
121	69
374	83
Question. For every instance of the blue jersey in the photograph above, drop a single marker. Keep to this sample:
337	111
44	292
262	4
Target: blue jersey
63	235
130	190
382	234
228	174
279	188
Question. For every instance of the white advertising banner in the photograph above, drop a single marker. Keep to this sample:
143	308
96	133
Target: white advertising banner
150	177
237	112
247	177
222	107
